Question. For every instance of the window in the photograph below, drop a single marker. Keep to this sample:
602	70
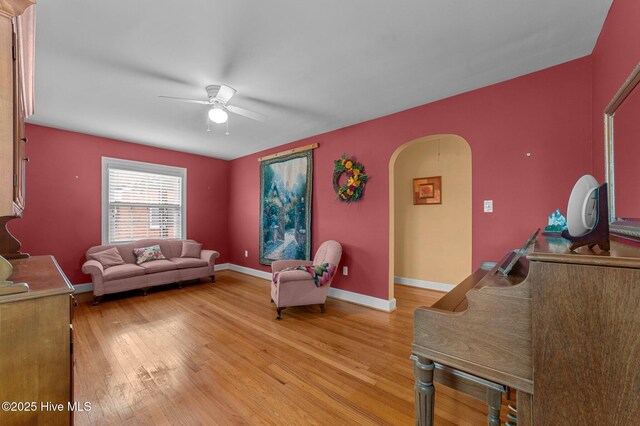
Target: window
142	200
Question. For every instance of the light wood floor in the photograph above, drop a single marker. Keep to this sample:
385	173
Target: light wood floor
214	354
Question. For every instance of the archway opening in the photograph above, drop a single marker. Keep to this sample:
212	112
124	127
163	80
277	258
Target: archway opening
430	244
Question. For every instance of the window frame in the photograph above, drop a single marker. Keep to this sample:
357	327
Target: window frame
140	166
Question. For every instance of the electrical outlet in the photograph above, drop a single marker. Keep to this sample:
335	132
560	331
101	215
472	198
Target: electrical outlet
345	270
488	206
246	253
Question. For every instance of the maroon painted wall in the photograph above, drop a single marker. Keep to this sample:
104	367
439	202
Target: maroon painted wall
547	113
63	205
615	55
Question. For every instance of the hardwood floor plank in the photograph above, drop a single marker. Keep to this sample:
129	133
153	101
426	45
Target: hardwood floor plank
214	354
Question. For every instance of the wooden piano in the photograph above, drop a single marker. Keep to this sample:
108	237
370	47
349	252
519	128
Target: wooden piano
562	328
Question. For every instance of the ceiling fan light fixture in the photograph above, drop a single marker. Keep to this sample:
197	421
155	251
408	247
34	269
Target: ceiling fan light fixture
218	115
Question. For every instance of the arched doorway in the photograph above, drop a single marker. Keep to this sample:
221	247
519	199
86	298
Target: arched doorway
430	245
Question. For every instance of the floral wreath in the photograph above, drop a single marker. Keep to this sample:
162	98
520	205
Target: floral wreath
352	189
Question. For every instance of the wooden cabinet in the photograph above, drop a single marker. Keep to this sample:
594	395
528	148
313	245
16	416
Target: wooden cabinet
35	346
16	99
17	29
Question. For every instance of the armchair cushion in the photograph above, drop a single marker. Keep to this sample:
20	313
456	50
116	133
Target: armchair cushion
320	274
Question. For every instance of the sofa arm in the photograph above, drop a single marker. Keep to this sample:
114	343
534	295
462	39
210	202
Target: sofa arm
279	265
209	256
95	269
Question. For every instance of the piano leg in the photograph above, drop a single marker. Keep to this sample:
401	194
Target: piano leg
494	402
424	390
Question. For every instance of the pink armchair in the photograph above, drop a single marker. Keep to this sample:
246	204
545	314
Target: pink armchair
297	288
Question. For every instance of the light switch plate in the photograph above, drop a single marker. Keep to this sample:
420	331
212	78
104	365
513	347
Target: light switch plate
246	253
488	206
345	270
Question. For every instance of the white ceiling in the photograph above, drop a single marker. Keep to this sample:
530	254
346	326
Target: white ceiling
310	67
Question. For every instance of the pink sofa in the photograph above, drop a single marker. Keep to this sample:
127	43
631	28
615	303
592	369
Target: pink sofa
130	276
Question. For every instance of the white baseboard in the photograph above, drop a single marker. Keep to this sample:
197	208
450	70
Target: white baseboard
83	288
363	299
335	293
250	271
424	284
221	267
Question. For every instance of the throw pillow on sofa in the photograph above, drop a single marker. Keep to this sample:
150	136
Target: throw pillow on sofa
146	254
107	258
191	249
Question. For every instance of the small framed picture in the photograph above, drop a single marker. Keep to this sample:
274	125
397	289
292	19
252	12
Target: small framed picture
427	190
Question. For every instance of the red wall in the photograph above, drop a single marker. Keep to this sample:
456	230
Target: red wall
547	113
63	205
615	55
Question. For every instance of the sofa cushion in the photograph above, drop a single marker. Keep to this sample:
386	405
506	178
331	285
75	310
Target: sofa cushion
122	271
147	254
108	258
158	266
191	249
189	262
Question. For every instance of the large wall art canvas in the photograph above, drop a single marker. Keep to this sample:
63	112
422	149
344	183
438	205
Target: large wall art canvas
285	207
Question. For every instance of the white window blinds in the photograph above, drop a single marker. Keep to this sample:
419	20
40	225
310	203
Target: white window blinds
142	201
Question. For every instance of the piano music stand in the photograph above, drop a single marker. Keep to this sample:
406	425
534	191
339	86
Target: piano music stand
506	266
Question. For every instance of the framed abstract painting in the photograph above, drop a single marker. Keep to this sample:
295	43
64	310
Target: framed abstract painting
285	207
427	190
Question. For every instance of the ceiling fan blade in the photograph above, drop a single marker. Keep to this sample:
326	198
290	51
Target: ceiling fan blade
246	113
193	101
225	93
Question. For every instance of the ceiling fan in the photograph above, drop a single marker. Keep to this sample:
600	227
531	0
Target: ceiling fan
218	96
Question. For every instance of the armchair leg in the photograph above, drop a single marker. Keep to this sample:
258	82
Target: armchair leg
96	300
279	310
213	278
145	290
272	301
322	308
179	284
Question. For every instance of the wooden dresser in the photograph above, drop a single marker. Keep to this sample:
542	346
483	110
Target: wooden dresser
36	346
